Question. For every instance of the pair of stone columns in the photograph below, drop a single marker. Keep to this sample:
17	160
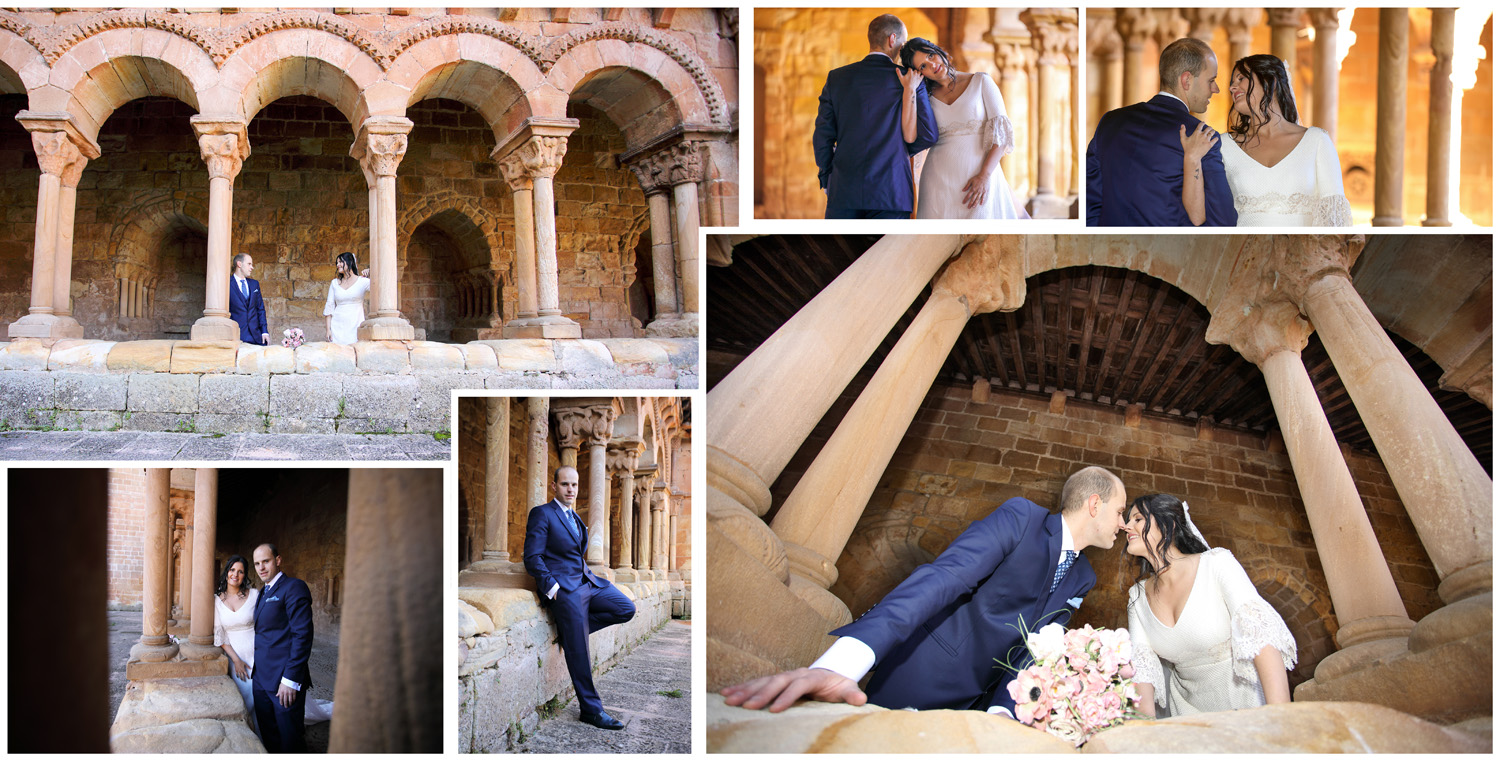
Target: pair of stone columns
149	657
670	178
591	423
1054	33
623	457
1390	124
62	152
528	160
496	550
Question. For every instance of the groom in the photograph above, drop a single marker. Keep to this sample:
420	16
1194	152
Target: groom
863	159
1135	159
246	307
931	642
283	643
582	603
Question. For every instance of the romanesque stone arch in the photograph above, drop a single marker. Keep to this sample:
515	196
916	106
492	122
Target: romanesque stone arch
300	62
1307	611
460	65
96	78
21	65
480	218
147	285
640	52
453	287
638	87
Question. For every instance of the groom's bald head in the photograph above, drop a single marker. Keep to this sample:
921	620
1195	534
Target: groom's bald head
1088	482
881	29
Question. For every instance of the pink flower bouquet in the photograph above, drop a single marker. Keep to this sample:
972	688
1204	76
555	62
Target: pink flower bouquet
1080	681
292	338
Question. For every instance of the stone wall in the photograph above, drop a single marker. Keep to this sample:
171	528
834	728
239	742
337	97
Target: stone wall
511	672
371	387
127	536
961	458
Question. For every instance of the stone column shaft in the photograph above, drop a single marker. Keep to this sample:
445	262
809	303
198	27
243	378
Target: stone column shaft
643	508
223	145
1440	121
659	529
62	271
685	202
188	556
379	146
1326	70
767	406
1014	91
1390	119
525	254
1285	22
537	157
546	247
598	504
61	163
672	543
497	479
536	450
663	260
627	519
205	524
154	644
1445	490
1052	33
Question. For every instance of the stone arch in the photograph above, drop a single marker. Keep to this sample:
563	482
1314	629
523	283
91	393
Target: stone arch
1307	611
144	224
298	62
881	554
639	88
448	289
162	245
112	83
22	67
1184	262
485	73
646	49
431	206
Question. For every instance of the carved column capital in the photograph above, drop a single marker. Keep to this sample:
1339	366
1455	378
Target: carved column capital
650	171
514	172
58	156
380	145
542	155
1104	40
987	275
1260	330
570	425
1238	21
223	144
685	162
1284	16
1170	26
658	497
1324	19
1134	25
623	455
1203	22
1262	312
1053	32
601	423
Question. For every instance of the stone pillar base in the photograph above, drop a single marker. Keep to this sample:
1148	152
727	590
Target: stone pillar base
1469	617
1446	684
194	652
674	326
199	715
153	653
46	326
1387	222
512	580
1048	207
829	606
1475	580
386	329
496	566
1429	222
627	575
554	326
215	329
603	572
1363	655
177	668
1373	629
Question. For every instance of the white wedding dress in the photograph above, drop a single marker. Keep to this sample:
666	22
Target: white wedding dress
1304	189
1206	662
347	308
966	131
237	627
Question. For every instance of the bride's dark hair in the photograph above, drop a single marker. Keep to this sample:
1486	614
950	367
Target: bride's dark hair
1270	77
1166	512
919	45
224	576
349	264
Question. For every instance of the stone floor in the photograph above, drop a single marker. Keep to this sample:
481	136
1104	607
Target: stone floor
633	693
128	445
125	631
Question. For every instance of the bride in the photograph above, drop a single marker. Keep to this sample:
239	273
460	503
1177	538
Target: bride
1281	173
345	308
1204	640
961	178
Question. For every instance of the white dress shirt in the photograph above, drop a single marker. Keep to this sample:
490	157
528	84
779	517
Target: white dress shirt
243	286
1174	97
267	591
851	658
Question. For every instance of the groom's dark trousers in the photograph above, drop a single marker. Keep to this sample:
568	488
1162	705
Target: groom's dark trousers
1135	169
283	643
556	545
936	635
863	161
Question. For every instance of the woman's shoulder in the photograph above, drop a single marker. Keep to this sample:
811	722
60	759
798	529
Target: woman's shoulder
1321	137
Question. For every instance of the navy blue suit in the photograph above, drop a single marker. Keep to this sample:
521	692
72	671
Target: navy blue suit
249	312
862	157
936	635
1135	169
283	643
585	603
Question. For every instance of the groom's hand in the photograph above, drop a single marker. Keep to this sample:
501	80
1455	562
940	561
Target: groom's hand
286	695
784	689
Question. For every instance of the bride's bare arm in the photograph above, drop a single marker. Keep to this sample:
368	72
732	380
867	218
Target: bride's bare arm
1147	705
909	83
1272	671
1194	147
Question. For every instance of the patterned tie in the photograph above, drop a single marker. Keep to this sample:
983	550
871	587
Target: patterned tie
244	289
1062	569
572	521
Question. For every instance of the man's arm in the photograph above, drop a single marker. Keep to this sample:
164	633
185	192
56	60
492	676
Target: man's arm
927	135
825	136
299	616
1092	186
259	317
536	544
1218	199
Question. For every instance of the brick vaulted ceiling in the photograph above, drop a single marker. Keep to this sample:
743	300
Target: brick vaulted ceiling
1144	340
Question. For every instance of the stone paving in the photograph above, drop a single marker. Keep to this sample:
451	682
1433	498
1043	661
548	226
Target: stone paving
638	692
155	447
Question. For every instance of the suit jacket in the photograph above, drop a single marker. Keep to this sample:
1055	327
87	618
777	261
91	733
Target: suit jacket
283	634
553	555
936	635
250	312
1135	169
862	158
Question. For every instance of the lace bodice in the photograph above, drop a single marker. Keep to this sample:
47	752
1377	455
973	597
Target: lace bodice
237	627
1305	188
967	130
1206	661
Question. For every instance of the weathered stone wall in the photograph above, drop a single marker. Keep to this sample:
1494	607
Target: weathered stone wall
126	544
18	189
961	458
511	671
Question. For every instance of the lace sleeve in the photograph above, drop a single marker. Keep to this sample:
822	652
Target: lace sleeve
998	129
328	305
1333	211
1253	623
220	636
1147	665
1331	206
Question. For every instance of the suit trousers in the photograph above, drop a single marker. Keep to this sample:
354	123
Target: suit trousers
837	213
281	729
578	614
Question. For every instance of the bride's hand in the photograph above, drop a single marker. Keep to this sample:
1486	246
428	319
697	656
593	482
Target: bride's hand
910	79
241	670
1196	146
977	190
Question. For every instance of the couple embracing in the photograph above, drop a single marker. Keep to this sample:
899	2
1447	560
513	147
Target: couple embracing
342	313
267	633
1202	638
903	98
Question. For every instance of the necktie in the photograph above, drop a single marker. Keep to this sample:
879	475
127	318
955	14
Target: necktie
1062	569
244	288
572	520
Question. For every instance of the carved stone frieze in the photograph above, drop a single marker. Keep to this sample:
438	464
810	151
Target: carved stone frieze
541	155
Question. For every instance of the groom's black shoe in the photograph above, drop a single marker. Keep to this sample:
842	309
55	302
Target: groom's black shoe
602	720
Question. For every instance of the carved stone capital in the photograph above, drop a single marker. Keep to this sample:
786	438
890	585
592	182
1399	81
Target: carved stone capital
1204	21
685	163
569	425
1257	331
1324	19
223	143
1170	26
987	275
1014	58
1054	31
1104	40
57	155
650	171
601	423
658	497
1238	22
623	455
1284	16
1135	25
380	145
542	155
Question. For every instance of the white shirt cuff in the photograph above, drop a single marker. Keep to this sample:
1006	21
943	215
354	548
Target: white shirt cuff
291	684
1001	710
848	657
552	593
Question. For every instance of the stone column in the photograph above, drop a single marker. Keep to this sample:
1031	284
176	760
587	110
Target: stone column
379	146
1204	22
496	558
1051	32
651	172
684	173
536	450
622	457
1285	23
175	603
767	406
62	152
1237	23
537	149
672	543
1112	82
521	195
1369	609
1326	70
600	424
817	518
1440	122
187	570
205	521
1013	55
643	479
389	695
1135	26
572	425
1390	119
659	529
224	146
155	646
